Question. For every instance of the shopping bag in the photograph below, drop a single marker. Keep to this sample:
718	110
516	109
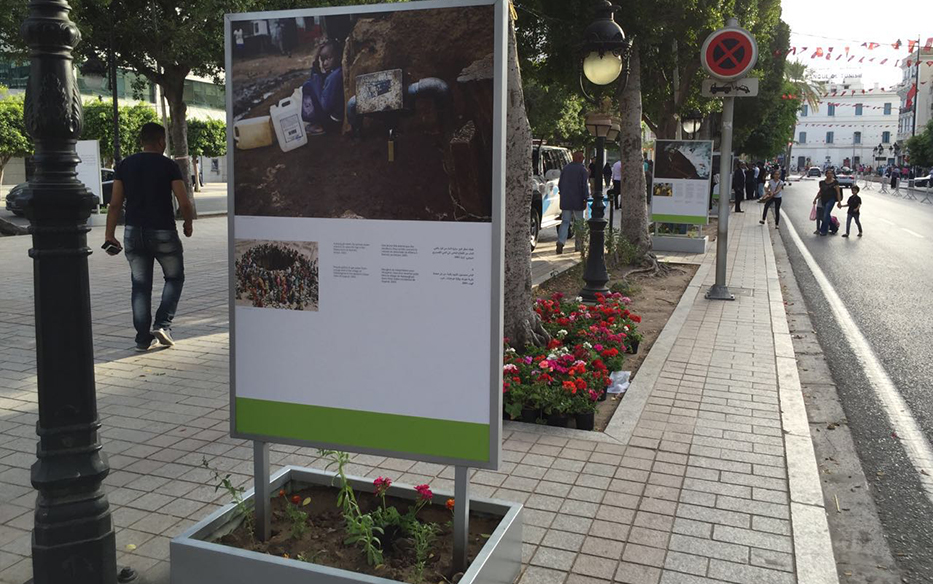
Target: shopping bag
813	213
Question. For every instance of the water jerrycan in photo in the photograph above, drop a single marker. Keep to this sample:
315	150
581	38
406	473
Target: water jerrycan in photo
253	133
286	119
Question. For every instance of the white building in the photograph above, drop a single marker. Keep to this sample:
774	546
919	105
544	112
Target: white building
847	126
923	97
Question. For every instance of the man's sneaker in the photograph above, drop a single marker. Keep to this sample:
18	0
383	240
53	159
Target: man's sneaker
560	248
845	235
142	348
164	337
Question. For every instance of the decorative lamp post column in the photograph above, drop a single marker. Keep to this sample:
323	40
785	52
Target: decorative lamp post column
605	52
73	539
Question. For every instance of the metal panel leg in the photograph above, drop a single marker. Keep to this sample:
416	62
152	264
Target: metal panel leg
461	518
263	497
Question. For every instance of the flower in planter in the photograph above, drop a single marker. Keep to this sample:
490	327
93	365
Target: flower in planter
382	485
424	492
450	505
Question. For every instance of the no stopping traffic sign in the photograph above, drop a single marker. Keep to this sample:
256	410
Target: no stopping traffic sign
729	53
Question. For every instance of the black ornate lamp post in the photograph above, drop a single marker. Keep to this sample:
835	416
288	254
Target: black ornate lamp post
605	53
73	539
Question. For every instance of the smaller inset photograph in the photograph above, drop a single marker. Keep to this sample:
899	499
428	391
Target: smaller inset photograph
684	159
663	189
277	274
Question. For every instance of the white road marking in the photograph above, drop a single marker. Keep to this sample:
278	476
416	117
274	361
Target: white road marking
902	422
914	233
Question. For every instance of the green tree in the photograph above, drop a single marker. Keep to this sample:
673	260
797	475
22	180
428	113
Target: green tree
555	114
805	85
921	147
14	141
98	125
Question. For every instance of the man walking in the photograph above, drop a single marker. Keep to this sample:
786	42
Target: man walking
574	190
146	181
738	185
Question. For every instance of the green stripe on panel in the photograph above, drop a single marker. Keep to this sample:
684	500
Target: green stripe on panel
403	434
689	219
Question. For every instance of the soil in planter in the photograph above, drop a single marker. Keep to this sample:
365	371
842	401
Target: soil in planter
653	298
323	543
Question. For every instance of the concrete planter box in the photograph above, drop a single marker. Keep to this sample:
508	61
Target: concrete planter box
195	559
679	243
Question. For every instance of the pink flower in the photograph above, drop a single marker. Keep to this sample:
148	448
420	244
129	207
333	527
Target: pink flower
424	492
382	485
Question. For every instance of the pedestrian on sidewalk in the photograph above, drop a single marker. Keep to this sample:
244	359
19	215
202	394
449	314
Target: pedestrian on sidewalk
574	189
775	191
761	175
751	181
854	205
830	195
146	181
617	182
738	185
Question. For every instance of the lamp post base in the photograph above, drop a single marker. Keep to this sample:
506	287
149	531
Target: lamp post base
717	292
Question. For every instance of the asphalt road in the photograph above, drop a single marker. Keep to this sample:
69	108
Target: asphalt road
884	279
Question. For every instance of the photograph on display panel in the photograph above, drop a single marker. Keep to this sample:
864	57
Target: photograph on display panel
277	274
681	159
385	115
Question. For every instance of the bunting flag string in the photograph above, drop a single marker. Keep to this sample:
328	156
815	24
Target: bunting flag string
912	46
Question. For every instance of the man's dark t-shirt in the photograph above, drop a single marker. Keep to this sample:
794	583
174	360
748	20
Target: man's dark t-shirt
147	185
853	203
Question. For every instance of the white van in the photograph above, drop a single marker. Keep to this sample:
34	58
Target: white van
546	164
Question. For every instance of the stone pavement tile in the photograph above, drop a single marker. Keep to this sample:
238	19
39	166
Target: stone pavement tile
773	560
648	537
629	573
532	535
564	540
709	548
609	530
606	548
554	558
745	574
690	564
21	571
572	523
597	567
579	508
639	554
537	575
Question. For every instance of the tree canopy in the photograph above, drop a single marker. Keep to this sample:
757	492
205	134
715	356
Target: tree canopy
14	141
98	125
921	147
207	138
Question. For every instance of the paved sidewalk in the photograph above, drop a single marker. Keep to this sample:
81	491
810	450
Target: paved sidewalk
706	475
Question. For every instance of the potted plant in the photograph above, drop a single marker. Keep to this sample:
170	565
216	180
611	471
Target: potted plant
334	529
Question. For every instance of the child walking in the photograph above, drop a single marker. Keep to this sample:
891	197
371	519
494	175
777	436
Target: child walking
855	205
775	189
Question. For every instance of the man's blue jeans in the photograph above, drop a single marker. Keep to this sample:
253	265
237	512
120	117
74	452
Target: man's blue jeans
566	218
144	247
827	216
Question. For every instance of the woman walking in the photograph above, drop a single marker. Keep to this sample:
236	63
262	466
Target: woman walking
775	190
830	195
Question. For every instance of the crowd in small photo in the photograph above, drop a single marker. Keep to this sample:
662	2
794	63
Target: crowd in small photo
273	275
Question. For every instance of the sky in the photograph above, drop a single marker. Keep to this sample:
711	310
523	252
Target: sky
849	24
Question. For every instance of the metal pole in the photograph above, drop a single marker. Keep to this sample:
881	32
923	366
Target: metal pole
461	518
73	538
719	291
595	275
116	106
262	498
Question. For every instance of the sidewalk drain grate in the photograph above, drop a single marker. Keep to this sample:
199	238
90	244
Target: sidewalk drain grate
747	292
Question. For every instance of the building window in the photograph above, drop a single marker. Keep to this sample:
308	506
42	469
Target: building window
857	138
887	109
856	160
858	109
886	137
803	112
832	110
829	137
802	138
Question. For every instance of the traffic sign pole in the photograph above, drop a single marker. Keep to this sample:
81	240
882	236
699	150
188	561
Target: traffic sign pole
719	291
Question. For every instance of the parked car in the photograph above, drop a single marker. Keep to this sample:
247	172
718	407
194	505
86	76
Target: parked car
845	177
814	171
14	203
924	181
546	164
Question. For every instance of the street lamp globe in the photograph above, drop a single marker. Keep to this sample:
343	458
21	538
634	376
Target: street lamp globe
602	69
603	46
692	121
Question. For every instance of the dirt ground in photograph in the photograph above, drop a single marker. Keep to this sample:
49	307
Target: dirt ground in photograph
653	298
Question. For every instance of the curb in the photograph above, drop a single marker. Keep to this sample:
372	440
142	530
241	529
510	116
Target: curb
623	421
813	546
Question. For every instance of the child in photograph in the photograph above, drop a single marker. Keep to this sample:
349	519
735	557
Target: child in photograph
854	205
322	96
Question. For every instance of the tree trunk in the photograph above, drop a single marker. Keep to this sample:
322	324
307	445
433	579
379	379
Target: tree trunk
174	89
634	204
522	324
